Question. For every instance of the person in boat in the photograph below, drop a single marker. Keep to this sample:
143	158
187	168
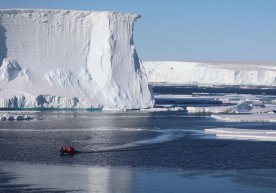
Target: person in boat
67	150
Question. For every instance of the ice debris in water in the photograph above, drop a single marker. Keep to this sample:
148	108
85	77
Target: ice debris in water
15	117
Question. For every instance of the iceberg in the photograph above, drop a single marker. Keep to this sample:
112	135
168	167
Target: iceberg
70	59
172	72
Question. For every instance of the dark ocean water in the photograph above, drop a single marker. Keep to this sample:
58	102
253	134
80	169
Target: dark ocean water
135	151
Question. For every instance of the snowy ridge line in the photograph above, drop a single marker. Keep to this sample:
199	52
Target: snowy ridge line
194	73
40	59
65	11
243	134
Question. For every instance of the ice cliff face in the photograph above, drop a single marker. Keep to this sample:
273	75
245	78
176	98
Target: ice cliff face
70	59
210	74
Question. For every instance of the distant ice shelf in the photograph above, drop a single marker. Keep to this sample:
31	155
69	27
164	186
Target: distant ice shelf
172	72
70	59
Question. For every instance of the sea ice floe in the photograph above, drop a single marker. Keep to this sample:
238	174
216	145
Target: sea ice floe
262	117
15	117
242	134
245	107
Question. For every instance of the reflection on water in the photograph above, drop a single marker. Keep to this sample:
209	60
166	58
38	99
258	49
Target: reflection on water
66	178
77	178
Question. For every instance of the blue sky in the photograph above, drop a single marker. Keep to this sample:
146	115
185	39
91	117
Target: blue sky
190	30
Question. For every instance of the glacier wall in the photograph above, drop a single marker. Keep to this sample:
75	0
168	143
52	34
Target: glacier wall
173	72
70	59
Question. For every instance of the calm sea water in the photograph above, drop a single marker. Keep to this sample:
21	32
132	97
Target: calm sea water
135	151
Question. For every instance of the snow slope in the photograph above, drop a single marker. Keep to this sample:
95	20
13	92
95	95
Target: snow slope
172	72
70	59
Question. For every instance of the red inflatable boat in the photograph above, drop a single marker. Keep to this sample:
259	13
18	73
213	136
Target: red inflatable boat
69	150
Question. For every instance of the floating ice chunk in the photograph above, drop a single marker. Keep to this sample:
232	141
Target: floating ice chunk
207	110
243	134
244	107
3	118
15	117
265	117
156	109
251	107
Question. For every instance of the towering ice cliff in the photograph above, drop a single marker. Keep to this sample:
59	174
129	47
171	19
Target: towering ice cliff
210	74
70	59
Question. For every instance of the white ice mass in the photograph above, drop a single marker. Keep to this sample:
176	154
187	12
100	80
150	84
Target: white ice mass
172	72
264	117
243	134
70	59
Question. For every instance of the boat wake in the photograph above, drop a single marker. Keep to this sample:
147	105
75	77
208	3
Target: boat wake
164	137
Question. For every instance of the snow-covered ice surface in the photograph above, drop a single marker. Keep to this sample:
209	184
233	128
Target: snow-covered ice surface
240	108
244	107
246	113
172	72
243	134
222	103
168	108
265	117
70	59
